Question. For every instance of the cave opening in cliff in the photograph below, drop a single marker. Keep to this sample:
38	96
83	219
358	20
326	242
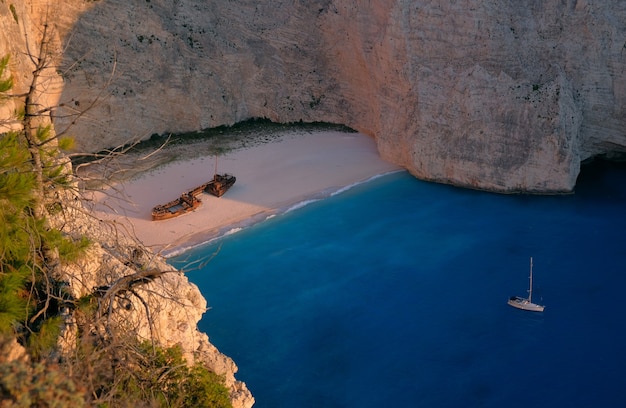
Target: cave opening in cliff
598	169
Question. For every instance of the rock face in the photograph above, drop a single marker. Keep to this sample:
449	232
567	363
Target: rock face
175	305
500	95
505	96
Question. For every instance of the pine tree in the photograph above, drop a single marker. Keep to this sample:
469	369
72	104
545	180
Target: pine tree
29	248
107	370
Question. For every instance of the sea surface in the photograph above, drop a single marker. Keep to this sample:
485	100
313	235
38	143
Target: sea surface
394	294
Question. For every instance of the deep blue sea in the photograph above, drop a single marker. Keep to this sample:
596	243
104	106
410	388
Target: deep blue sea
393	294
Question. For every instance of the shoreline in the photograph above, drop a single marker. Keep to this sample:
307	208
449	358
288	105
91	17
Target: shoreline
206	237
273	178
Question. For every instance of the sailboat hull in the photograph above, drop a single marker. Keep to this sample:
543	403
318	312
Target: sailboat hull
525	304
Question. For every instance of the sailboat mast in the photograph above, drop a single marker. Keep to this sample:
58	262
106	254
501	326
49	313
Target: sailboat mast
215	166
530	288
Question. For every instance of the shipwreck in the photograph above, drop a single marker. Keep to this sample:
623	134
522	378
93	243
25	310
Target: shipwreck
190	200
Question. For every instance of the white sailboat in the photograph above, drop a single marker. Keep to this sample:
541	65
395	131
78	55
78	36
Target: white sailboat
526	303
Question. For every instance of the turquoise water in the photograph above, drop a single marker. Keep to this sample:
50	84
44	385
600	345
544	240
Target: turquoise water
394	294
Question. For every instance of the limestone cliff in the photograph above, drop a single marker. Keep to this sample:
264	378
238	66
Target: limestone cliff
170	305
490	94
506	96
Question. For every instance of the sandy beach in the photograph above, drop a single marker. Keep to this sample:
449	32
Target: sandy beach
271	178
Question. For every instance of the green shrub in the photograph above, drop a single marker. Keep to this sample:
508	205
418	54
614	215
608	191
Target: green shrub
13	300
44	340
24	384
164	378
204	388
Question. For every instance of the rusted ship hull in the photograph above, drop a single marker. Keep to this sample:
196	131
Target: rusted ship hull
220	184
185	203
189	201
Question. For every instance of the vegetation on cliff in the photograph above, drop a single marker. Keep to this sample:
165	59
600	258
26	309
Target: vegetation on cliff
101	362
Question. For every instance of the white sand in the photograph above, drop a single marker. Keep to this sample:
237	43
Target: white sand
271	178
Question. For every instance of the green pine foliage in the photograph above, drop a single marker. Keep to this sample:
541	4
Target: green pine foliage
147	376
203	388
107	370
24	384
26	308
66	143
5	84
167	380
54	172
16	179
16	230
14	307
44	340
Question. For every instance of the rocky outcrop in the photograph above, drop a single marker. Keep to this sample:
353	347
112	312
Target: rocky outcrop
168	307
505	96
502	96
514	137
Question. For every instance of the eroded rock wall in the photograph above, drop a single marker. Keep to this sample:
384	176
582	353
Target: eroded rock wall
165	307
175	305
506	96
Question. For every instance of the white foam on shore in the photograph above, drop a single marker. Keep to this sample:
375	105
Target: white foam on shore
351	186
301	204
259	219
272	179
233	231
